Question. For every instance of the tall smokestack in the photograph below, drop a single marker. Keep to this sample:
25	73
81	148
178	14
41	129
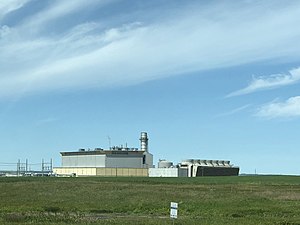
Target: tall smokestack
144	141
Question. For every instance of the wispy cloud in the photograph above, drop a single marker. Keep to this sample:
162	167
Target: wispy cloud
287	109
9	6
60	10
94	53
269	82
234	111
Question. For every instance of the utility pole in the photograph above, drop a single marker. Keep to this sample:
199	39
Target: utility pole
18	167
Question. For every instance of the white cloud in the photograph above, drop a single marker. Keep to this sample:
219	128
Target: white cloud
287	109
199	38
7	6
60	9
269	82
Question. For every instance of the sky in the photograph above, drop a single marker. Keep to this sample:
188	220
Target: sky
205	79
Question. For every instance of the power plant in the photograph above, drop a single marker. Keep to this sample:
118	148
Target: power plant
125	161
115	161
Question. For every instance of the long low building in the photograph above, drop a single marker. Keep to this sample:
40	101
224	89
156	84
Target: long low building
200	167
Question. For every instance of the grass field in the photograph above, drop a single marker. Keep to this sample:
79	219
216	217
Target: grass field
98	200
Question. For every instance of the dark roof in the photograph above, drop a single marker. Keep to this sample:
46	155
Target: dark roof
103	152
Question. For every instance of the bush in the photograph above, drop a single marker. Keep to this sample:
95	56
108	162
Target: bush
52	209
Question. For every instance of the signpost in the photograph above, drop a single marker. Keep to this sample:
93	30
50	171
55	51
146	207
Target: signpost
173	211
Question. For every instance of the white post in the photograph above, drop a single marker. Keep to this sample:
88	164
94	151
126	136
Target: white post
173	211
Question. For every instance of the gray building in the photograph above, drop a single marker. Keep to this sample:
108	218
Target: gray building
107	158
121	159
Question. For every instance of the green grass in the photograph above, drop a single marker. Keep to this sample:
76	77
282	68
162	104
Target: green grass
99	200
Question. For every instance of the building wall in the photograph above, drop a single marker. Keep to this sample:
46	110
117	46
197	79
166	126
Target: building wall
109	160
108	172
122	172
83	161
78	171
167	172
182	172
149	160
124	162
217	171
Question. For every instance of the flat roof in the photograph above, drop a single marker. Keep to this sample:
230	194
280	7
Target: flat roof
103	152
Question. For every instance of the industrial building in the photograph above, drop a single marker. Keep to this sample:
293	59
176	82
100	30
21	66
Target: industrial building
124	161
200	168
194	168
116	161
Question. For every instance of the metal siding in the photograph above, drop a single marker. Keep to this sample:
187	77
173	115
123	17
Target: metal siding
182	172
217	171
83	161
149	160
124	162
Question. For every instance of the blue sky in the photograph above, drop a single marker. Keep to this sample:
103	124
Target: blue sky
205	79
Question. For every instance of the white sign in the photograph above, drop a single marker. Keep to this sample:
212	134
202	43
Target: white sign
173	211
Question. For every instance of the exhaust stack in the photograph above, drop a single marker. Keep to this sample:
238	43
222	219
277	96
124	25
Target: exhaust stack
144	141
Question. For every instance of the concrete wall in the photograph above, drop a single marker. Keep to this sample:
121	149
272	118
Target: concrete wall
78	171
122	172
107	172
168	172
83	161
